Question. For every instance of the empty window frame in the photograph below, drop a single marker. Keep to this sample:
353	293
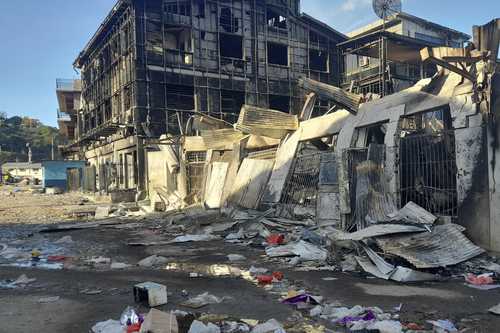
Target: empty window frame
279	102
318	61
227	20
277	54
231	103
178	7
275	20
231	46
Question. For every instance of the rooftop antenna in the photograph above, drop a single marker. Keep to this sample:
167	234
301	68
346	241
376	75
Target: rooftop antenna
385	8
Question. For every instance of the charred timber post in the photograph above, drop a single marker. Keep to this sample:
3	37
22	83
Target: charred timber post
344	99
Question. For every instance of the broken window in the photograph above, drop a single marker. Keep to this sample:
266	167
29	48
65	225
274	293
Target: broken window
201	8
277	54
231	103
178	7
227	21
275	20
178	46
231	46
428	162
318	60
375	134
281	103
180	98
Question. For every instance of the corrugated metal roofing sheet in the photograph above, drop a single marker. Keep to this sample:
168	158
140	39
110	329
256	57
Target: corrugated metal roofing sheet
444	246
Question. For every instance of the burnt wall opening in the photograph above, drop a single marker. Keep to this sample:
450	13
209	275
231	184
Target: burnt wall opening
428	162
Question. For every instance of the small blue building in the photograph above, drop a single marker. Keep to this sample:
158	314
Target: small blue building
58	173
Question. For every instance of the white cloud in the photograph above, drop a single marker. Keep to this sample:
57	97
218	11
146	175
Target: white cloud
352	5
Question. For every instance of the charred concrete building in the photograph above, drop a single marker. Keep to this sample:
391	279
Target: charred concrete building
153	64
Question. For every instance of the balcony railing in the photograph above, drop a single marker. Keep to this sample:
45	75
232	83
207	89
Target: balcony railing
68	85
63	116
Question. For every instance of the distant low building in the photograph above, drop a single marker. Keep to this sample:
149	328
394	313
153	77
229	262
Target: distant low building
66	175
23	170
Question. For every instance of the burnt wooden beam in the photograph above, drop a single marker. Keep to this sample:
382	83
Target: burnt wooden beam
344	99
427	56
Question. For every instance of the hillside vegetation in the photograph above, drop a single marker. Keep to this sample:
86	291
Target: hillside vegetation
16	132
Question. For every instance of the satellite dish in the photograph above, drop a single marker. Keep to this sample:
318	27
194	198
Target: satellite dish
385	8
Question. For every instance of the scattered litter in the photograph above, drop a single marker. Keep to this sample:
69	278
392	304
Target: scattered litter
302	298
492	267
316	311
99	260
56	258
329	279
479	280
202	300
265	279
495	309
194	238
150	293
108	326
91	291
129	317
64	240
276	239
414	327
484	286
306	251
159	322
387	326
270	326
119	265
49	299
369	316
199	327
153	260
256	271
22	281
236	257
445	325
102	212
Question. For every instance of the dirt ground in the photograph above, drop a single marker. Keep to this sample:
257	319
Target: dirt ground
21	308
28	205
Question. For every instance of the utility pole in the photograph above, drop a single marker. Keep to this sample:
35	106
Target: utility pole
52	147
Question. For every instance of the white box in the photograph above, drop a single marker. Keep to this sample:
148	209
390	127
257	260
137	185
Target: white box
154	294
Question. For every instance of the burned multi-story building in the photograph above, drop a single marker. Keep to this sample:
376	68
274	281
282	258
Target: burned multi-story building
153	64
380	57
69	94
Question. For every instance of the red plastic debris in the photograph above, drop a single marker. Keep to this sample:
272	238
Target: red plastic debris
479	280
276	239
414	327
134	328
56	258
265	279
278	276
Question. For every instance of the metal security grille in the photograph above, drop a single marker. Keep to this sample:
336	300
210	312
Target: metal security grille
195	169
354	157
302	187
428	172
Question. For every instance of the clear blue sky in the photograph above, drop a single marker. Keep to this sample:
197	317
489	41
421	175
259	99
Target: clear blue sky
41	38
